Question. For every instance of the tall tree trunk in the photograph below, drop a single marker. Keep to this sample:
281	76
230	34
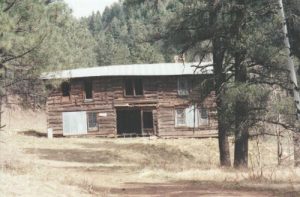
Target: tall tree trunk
294	81
241	118
1	113
223	136
241	135
220	78
241	105
297	148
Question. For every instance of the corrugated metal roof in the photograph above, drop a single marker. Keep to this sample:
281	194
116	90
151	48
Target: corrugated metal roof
161	69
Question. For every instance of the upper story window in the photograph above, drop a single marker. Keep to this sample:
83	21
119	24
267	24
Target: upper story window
134	87
88	89
65	88
182	86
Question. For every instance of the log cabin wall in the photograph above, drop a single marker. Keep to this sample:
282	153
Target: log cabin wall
160	96
169	101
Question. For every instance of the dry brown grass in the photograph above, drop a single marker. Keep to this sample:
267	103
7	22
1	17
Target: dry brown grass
91	166
18	119
20	176
140	159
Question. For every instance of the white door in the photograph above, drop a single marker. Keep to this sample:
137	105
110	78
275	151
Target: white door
74	123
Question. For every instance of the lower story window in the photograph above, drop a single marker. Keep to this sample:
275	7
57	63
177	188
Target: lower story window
92	121
180	117
203	117
191	116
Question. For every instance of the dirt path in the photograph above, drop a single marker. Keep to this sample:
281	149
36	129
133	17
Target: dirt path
180	189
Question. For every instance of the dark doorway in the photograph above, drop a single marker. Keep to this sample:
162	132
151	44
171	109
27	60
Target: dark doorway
148	124
129	121
147	120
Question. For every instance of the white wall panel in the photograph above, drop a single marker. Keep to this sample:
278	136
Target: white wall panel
74	123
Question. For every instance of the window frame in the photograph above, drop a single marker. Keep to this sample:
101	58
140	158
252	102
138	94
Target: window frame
92	129
184	118
84	90
199	121
183	91
133	86
202	122
143	120
65	98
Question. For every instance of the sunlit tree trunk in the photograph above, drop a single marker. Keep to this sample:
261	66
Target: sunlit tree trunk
293	78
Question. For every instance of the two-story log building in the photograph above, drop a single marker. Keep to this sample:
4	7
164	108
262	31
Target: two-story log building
142	99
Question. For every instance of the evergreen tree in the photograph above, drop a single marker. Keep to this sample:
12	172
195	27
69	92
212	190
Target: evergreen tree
36	36
245	38
126	32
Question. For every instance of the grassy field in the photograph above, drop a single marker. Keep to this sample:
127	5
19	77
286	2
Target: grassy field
35	166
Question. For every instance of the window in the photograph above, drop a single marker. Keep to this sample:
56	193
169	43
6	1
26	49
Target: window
88	89
180	119
191	117
138	87
134	87
65	88
128	87
182	87
203	117
92	121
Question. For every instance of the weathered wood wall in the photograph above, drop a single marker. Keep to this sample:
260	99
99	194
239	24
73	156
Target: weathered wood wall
160	94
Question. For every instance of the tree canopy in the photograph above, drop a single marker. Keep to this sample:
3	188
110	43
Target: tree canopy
38	36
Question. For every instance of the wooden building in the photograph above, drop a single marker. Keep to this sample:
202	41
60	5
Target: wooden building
143	99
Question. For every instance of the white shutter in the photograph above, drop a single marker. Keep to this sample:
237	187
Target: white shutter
192	116
74	123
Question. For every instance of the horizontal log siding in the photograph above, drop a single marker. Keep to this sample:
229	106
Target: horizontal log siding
169	100
160	93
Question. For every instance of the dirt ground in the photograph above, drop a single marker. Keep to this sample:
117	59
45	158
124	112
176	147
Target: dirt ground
32	165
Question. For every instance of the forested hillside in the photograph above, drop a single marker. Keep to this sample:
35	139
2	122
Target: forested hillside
137	32
45	33
126	34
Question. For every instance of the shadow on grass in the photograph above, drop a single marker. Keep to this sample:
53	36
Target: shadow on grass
33	133
160	156
38	134
140	155
76	155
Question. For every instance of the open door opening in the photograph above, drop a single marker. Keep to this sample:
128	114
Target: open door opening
129	121
148	124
